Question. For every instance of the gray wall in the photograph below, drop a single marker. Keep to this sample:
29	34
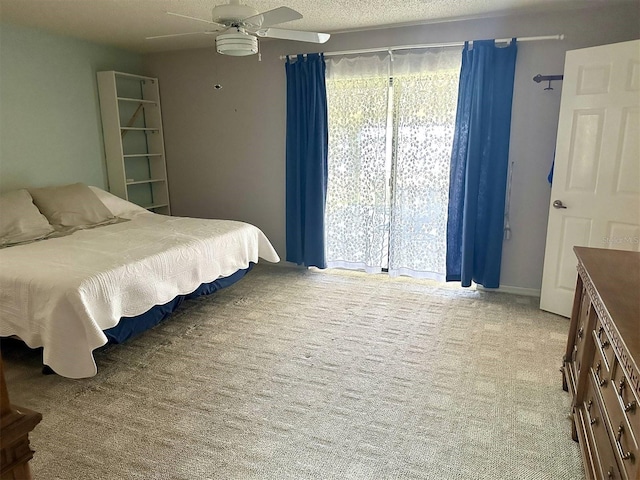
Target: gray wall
50	130
226	148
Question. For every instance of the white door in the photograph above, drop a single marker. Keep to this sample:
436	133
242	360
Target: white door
595	195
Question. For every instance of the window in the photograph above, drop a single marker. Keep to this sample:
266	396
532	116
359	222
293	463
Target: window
391	123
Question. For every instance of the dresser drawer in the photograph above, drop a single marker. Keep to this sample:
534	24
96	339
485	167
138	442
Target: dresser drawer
582	334
603	343
600	370
626	399
620	432
626	449
603	457
625	422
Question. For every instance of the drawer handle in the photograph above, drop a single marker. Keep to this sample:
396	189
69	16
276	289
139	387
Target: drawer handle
580	332
593	421
629	407
605	344
623	455
610	473
601	381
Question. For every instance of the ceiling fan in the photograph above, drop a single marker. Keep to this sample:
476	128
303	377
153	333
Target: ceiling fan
240	25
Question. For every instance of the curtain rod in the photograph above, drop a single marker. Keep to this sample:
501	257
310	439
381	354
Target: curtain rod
428	45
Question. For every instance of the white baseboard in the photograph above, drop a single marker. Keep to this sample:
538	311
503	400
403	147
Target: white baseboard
529	292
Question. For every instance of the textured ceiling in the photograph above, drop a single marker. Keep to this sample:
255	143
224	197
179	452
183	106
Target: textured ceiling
126	23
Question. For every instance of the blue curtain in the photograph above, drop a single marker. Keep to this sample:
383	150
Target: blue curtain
307	143
479	163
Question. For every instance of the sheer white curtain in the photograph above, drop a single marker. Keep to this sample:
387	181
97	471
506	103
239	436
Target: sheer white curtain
425	92
357	209
391	122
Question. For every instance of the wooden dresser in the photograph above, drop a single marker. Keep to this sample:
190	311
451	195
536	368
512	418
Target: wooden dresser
601	362
15	425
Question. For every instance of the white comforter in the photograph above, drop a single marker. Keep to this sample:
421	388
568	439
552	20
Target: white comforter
61	293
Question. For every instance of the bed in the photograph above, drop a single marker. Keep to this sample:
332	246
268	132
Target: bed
85	278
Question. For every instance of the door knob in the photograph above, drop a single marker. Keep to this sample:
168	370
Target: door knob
558	204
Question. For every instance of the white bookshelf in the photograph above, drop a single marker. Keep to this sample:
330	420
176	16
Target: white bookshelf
133	139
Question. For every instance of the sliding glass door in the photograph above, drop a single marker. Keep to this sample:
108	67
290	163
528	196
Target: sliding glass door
391	122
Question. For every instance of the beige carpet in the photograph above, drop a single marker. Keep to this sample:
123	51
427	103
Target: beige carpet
294	374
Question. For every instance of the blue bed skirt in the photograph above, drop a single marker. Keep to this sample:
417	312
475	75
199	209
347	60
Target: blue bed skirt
129	327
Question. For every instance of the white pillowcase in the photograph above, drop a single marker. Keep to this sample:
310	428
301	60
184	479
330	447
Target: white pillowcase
72	205
20	219
116	205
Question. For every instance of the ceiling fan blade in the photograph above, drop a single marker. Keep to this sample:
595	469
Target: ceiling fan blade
273	17
180	34
299	36
198	19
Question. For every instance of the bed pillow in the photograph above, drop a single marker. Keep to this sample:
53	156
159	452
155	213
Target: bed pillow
116	205
20	220
72	205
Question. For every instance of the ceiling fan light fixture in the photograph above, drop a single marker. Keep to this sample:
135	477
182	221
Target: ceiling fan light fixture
236	44
240	25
